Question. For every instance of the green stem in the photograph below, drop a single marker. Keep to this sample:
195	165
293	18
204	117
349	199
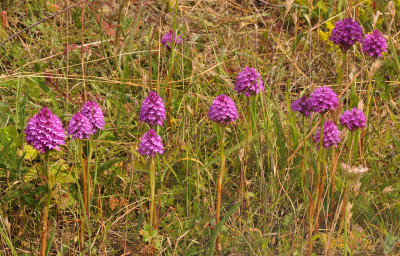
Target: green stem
341	71
369	99
316	207
45	215
85	196
85	180
303	167
246	152
345	218
4	234
221	174
355	147
171	65
320	190
220	179
152	191
350	146
320	154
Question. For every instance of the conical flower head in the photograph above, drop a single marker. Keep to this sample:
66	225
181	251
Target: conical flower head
374	44
153	110
150	144
168	37
323	99
92	111
44	131
223	110
79	127
353	119
346	33
353	173
249	82
301	105
330	136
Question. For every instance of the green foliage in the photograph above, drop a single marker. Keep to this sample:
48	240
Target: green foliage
390	243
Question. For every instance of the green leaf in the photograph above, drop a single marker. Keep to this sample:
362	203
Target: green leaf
280	140
107	165
219	226
47	90
31	174
30	152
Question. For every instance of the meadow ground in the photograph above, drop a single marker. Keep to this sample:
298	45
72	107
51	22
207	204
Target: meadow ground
280	195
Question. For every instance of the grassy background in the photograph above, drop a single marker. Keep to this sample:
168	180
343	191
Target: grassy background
110	52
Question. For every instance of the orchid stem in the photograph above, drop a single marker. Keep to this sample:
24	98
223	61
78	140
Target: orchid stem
220	179
45	215
153	191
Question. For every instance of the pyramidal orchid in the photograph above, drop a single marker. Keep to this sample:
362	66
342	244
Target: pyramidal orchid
150	144
79	127
44	131
92	111
331	135
152	110
323	99
346	33
374	44
353	119
249	82
222	111
169	37
302	105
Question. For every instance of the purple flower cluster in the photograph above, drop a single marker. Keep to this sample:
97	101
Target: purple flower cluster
346	33
302	105
223	110
353	119
374	44
153	113
323	99
92	111
153	110
79	127
168	37
249	82
87	122
330	135
44	131
150	144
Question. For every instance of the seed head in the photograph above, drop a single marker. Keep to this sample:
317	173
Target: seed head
353	173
